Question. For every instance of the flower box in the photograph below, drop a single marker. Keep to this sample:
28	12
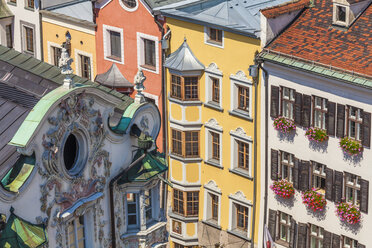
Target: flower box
314	200
316	134
348	212
284	125
351	147
283	188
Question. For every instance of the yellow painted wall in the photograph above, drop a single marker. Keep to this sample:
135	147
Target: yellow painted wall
80	40
238	54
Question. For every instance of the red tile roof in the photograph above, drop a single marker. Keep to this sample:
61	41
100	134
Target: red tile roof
284	8
312	37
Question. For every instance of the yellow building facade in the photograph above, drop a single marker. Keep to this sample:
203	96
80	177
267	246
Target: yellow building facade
211	102
82	44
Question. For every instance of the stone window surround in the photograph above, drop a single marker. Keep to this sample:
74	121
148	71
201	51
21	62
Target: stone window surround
240	135
240	199
347	10
206	38
141	51
128	9
106	42
212	126
78	63
24	24
211	188
240	79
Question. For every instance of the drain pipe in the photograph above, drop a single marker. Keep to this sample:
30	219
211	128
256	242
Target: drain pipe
259	61
111	195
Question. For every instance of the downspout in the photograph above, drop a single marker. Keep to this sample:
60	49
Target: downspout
41	33
111	198
259	61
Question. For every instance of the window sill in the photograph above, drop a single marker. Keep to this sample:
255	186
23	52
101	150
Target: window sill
183	218
212	224
241	172
214	163
282	242
214	43
241	114
149	67
11	3
114	59
239	234
30	9
187	103
182	159
137	232
213	105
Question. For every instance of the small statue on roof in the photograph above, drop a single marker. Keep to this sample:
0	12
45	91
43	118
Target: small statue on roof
65	64
139	79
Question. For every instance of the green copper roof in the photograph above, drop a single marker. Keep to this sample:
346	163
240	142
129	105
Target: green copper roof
19	233
317	69
128	114
151	165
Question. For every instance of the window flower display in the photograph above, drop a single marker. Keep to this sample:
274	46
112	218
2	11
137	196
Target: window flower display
316	134
348	212
283	188
284	125
351	147
314	200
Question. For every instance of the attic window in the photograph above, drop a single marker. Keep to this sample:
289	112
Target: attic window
341	14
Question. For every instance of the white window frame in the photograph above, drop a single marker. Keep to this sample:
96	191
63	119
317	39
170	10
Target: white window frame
289	163
211	188
107	43
335	14
240	199
317	235
353	245
212	72
206	38
212	126
354	186
137	226
128	9
240	79
78	63
357	119
51	45
240	135
141	51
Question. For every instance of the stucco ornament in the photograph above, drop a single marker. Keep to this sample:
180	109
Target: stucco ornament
213	69
240	133
240	76
239	196
213	124
212	186
139	79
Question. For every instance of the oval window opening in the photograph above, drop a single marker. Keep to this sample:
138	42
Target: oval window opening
70	152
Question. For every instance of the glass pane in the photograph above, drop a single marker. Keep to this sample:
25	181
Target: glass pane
132	219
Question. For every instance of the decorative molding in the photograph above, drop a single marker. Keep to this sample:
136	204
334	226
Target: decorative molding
213	124
128	9
241	134
241	77
213	69
212	186
240	197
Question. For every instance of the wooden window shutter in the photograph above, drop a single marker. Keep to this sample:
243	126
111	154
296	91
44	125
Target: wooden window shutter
329	184
361	246
338	182
298	109
364	191
292	242
295	173
340	131
304	175
274	164
302	235
306	110
327	239
366	129
330	118
336	241
274	110
272	223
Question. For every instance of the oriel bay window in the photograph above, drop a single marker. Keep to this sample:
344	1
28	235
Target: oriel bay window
186	203
185	88
185	143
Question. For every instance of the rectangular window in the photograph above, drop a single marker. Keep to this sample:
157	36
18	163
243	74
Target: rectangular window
75	233
355	122
243	98
349	243
176	86
215	90
214	35
319	177
185	143
286	166
341	14
215	145
191	88
287	102
13	1
241	217
149	47
176	227
320	111
85	68
186	203
115	46
284	227
243	155
56	55
29	39
148	204
132	208
316	236
214	206
352	189
30	3
9	36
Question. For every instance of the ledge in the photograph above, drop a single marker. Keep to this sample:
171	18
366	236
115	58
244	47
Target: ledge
30	9
213	163
186	103
179	237
240	114
183	218
213	105
241	173
209	223
144	232
239	235
11	3
186	160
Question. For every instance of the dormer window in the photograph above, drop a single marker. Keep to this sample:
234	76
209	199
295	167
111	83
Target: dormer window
341	14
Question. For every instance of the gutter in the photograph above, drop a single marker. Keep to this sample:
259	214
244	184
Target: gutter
111	198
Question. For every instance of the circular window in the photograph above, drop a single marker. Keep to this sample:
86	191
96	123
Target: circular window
73	153
130	3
